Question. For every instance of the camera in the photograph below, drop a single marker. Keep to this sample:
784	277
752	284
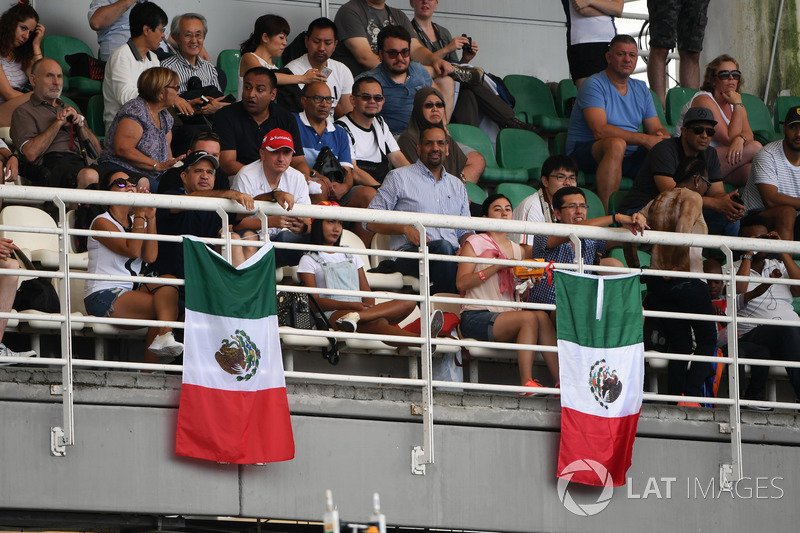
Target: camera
467	47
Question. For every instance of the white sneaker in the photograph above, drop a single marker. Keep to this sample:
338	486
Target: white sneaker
5	351
437	323
348	322
166	347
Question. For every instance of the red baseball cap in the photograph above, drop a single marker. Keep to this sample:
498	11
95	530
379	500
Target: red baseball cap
277	139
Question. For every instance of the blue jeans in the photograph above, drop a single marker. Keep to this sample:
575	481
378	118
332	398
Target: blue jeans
442	273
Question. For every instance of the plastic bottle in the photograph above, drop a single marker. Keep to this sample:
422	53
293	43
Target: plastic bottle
377	519
330	522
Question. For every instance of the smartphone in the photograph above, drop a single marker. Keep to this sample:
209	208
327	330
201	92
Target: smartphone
326	71
204	99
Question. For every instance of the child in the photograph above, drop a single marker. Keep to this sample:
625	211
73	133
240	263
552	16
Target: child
339	270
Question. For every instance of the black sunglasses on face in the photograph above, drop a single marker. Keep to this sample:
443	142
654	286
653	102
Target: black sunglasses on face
394	53
725	74
367	97
123	182
698	130
431	105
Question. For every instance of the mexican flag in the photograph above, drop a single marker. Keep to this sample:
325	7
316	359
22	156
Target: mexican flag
601	361
233	406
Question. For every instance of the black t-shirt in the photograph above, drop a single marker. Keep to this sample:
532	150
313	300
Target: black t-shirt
663	160
238	131
197	223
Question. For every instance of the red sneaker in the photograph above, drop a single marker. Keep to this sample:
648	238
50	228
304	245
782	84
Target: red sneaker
531	383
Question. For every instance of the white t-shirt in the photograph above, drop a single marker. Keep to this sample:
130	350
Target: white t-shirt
309	265
340	80
363	141
530	210
583	29
251	180
774	304
771	167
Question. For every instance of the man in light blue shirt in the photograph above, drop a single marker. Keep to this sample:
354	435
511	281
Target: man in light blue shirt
425	187
603	135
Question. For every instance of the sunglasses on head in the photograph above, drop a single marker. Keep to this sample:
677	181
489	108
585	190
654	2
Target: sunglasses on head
725	74
431	105
123	182
367	97
394	53
698	130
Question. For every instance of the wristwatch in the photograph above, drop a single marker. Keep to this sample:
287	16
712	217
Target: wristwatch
312	173
276	189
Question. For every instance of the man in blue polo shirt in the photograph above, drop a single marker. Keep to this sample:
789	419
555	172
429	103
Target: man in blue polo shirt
603	135
400	77
317	131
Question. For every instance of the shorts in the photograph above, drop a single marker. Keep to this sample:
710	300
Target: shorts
344	200
101	303
684	20
478	324
631	164
586	59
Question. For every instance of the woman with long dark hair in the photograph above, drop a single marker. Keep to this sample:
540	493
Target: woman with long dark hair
20	46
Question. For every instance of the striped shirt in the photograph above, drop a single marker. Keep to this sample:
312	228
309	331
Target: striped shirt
415	188
205	71
14	74
771	167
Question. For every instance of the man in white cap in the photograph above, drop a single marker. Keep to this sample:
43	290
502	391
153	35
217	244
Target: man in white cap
267	177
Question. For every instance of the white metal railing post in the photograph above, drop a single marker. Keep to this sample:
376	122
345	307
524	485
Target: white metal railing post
733	472
63	436
226	234
578	246
422	455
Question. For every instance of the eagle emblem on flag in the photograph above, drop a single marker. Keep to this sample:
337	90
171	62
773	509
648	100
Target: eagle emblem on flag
239	356
604	383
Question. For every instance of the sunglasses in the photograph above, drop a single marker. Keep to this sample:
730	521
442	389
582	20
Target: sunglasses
702	178
123	182
405	52
319	99
367	97
698	130
725	74
431	105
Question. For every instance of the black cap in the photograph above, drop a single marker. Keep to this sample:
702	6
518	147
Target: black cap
199	155
698	114
792	116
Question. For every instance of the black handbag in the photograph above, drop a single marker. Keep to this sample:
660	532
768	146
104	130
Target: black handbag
301	311
36	293
327	165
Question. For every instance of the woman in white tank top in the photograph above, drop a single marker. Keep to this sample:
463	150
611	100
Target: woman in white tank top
125	257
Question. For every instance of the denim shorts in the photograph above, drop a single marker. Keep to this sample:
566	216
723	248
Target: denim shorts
101	303
478	324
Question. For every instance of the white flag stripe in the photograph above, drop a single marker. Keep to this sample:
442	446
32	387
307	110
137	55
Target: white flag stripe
205	338
576	369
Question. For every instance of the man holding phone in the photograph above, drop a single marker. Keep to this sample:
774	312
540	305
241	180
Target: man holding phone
721	210
321	39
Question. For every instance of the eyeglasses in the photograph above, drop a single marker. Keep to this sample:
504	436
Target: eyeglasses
123	182
405	52
726	74
367	97
703	178
173	87
162	29
561	178
572	207
319	99
431	105
698	130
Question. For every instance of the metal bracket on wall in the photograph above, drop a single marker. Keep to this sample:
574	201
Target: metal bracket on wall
418	461
58	447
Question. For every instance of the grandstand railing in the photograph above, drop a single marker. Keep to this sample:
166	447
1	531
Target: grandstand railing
64	435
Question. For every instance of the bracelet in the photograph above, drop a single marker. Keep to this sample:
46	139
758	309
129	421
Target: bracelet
138	216
743	139
614	220
482	275
748	257
737	104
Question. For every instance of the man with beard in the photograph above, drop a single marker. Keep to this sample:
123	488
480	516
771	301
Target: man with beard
603	134
721	210
773	190
425	187
321	39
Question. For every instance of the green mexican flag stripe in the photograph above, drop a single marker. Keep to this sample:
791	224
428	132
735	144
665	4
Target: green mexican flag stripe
215	287
620	322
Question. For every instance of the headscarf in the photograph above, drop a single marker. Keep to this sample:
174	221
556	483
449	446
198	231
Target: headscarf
408	140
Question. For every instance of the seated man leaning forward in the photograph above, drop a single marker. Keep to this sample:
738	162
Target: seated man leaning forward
263	180
569	205
603	134
721	210
425	187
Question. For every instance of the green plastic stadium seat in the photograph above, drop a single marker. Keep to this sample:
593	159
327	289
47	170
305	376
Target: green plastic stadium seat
676	99
228	62
565	91
522	149
476	139
475	193
660	111
616	199
782	105
596	208
534	102
71	102
60	46
515	192
94	116
760	119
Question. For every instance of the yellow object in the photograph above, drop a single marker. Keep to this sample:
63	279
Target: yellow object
522	272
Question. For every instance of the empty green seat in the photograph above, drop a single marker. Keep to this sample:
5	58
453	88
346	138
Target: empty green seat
676	99
515	192
534	102
476	139
475	193
228	62
60	46
760	119
522	149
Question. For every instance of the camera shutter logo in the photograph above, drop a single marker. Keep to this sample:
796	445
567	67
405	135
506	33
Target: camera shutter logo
587	509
